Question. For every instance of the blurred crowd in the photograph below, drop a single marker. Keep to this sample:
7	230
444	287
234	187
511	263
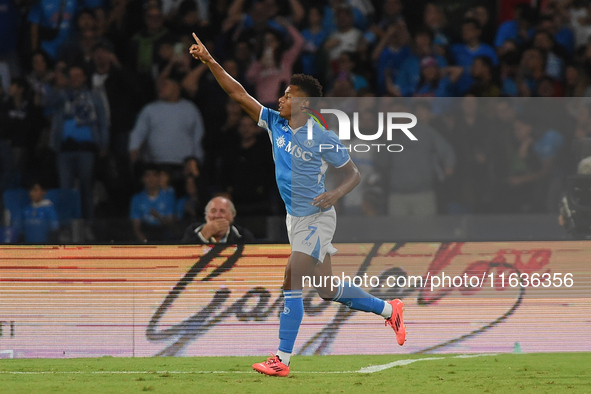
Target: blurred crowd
95	93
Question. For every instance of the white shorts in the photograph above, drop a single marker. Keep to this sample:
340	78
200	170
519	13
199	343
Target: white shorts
312	235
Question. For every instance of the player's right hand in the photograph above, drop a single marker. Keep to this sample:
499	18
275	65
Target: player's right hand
215	227
198	51
220	225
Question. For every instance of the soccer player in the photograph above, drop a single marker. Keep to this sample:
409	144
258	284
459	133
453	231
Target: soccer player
300	169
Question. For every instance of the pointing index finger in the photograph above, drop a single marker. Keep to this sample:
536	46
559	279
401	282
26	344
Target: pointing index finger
196	39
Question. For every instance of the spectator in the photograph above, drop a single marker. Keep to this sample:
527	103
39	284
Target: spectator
580	19
408	78
251	156
390	53
554	54
119	92
79	131
390	14
485	78
434	20
166	186
315	36
353	203
9	29
520	29
167	130
125	18
196	192
78	48
192	17
173	8
531	71
411	177
509	69
470	138
549	87
243	56
51	24
145	42
211	99
576	82
464	54
191	167
190	205
173	60
434	81
530	160
20	123
330	21
553	23
152	210
500	125
482	15
271	72
219	226
41	75
347	67
253	25
346	37
38	222
342	87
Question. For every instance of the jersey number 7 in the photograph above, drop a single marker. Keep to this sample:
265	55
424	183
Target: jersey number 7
313	228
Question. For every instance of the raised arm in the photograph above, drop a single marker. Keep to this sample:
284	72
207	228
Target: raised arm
234	89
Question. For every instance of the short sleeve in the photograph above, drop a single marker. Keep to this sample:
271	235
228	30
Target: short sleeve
337	155
270	120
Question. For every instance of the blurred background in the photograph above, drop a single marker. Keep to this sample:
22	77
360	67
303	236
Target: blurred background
103	112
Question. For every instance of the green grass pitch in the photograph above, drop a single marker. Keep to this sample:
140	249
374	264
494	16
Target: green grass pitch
541	372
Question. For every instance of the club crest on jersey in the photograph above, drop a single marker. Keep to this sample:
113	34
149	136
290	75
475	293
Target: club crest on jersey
309	143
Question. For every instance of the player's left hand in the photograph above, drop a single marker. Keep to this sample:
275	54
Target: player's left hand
198	51
327	199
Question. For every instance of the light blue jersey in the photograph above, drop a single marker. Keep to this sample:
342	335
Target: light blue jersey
300	164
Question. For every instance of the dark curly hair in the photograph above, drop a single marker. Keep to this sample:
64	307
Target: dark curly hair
307	83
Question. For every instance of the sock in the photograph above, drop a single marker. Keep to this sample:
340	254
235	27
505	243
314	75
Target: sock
289	323
358	299
387	312
284	357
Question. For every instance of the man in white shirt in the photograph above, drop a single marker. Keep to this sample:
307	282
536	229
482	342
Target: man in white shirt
347	37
